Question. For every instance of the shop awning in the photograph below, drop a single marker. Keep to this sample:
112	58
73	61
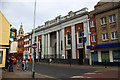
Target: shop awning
104	45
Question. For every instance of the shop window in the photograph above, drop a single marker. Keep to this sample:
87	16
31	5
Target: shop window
116	55
94	56
1	55
105	56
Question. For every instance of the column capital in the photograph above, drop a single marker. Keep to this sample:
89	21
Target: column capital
72	25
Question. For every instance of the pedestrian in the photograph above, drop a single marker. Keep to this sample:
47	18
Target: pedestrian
26	64
23	65
11	65
14	61
50	60
7	64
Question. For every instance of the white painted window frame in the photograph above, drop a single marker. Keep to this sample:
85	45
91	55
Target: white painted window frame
67	39
93	38
112	18
103	21
105	37
92	23
78	38
114	35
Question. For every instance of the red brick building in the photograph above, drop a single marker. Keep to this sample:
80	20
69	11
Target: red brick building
20	48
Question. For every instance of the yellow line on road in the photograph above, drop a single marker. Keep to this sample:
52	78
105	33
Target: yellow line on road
45	76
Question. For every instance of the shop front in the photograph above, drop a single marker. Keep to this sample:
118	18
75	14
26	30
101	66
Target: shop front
105	53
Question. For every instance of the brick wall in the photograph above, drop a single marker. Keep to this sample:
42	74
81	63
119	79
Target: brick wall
109	27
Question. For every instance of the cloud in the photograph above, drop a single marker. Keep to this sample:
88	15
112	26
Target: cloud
17	11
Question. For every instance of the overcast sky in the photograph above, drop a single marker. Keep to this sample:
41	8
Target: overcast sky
17	11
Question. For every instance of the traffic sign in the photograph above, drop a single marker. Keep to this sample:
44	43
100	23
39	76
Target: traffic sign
34	46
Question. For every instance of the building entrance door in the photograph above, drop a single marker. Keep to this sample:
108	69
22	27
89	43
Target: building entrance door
39	55
80	56
55	50
69	54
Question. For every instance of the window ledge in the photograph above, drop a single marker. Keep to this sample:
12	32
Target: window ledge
68	44
103	24
92	26
112	22
105	40
93	41
114	38
79	43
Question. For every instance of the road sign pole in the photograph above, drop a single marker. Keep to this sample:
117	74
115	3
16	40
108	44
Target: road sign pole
33	65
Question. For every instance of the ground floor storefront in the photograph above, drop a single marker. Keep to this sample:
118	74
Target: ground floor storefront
109	55
3	55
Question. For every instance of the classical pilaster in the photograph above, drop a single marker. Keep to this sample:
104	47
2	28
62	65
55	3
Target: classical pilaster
90	61
99	56
73	42
60	45
86	34
63	43
111	56
46	47
43	46
57	35
49	44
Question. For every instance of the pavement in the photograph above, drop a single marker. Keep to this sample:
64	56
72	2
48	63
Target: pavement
16	74
80	71
110	73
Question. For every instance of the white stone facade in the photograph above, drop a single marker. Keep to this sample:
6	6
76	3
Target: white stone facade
53	35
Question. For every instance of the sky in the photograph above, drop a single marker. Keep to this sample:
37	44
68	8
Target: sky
22	11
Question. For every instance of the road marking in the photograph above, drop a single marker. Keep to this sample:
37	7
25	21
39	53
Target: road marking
90	73
88	77
45	76
77	77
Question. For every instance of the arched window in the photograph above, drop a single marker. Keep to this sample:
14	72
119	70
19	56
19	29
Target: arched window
68	38
80	39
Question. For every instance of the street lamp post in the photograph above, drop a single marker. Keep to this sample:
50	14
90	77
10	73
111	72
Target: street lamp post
33	66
